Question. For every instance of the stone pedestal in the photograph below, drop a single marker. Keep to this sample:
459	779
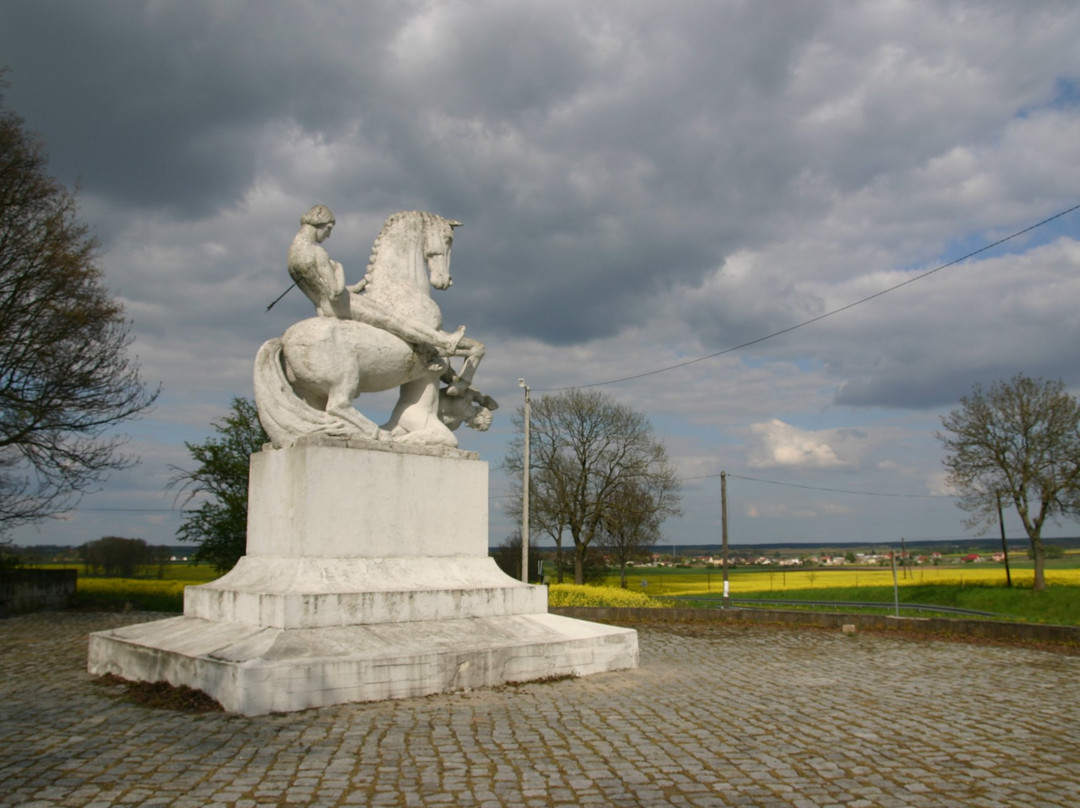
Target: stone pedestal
366	577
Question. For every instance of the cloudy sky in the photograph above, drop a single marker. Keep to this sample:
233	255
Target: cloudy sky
641	184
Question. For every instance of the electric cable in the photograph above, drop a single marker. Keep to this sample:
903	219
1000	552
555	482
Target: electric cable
820	317
820	488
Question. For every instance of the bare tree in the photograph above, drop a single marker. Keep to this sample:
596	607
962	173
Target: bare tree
508	556
1018	440
545	514
65	374
585	449
631	521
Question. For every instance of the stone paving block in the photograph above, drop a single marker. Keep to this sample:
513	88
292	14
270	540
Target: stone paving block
787	718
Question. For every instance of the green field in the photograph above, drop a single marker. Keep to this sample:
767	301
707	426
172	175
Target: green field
979	587
747	580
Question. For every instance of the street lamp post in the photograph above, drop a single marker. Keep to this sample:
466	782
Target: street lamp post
723	530
525	491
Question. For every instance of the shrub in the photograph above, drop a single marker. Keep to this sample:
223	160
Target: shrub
112	594
607	596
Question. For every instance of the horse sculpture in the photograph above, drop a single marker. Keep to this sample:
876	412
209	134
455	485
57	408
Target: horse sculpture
305	381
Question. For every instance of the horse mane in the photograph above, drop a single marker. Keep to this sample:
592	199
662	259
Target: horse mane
391	226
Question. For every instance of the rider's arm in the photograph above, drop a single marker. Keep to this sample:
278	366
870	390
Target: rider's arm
338	278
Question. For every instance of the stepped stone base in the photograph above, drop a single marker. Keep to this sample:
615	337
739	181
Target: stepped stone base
254	671
366	578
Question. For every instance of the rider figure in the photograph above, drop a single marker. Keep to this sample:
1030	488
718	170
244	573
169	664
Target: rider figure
323	281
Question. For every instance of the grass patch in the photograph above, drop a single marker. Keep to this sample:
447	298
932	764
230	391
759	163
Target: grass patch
980	587
1057	605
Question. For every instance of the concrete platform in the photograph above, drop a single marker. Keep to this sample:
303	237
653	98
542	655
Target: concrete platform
255	671
321	592
366	578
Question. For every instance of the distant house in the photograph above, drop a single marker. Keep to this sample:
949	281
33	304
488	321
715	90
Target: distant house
971	558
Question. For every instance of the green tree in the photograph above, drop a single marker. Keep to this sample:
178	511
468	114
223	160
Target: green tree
65	375
584	449
9	556
1018	440
115	557
220	479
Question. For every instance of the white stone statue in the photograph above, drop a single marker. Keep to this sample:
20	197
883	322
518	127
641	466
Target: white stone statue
382	332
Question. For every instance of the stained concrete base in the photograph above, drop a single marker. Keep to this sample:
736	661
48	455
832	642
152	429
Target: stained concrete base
255	671
366	578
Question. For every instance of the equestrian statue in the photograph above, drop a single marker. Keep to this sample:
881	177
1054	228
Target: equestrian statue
379	333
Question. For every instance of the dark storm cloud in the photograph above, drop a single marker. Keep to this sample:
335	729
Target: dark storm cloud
612	155
640	183
159	104
605	144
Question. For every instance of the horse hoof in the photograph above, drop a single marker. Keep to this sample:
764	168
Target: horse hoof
457	389
429	437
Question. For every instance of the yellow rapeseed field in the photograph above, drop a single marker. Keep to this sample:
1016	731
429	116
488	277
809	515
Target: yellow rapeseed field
128	588
666	582
166	593
611	596
952	575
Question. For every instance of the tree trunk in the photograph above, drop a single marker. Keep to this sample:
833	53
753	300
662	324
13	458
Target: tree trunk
1034	531
579	565
558	560
1039	556
622	575
1033	527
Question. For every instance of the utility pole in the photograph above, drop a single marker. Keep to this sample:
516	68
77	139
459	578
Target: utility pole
723	530
895	584
525	491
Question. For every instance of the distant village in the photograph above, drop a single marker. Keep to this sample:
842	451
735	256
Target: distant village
851	558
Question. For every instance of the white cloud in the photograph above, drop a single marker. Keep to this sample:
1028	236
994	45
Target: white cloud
775	444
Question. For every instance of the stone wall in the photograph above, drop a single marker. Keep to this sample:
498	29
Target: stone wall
23	590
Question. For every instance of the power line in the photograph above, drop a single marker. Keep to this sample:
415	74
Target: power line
137	510
819	488
820	317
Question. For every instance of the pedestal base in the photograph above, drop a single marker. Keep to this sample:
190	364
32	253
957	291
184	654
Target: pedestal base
371	582
254	671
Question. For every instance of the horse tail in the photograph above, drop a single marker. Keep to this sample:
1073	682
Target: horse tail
284	415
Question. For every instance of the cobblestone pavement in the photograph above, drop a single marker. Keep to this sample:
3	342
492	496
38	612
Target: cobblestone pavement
717	716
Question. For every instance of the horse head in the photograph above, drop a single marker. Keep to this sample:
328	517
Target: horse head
412	242
438	238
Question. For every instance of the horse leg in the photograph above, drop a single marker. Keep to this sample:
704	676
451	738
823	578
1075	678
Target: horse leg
339	400
416	416
474	351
